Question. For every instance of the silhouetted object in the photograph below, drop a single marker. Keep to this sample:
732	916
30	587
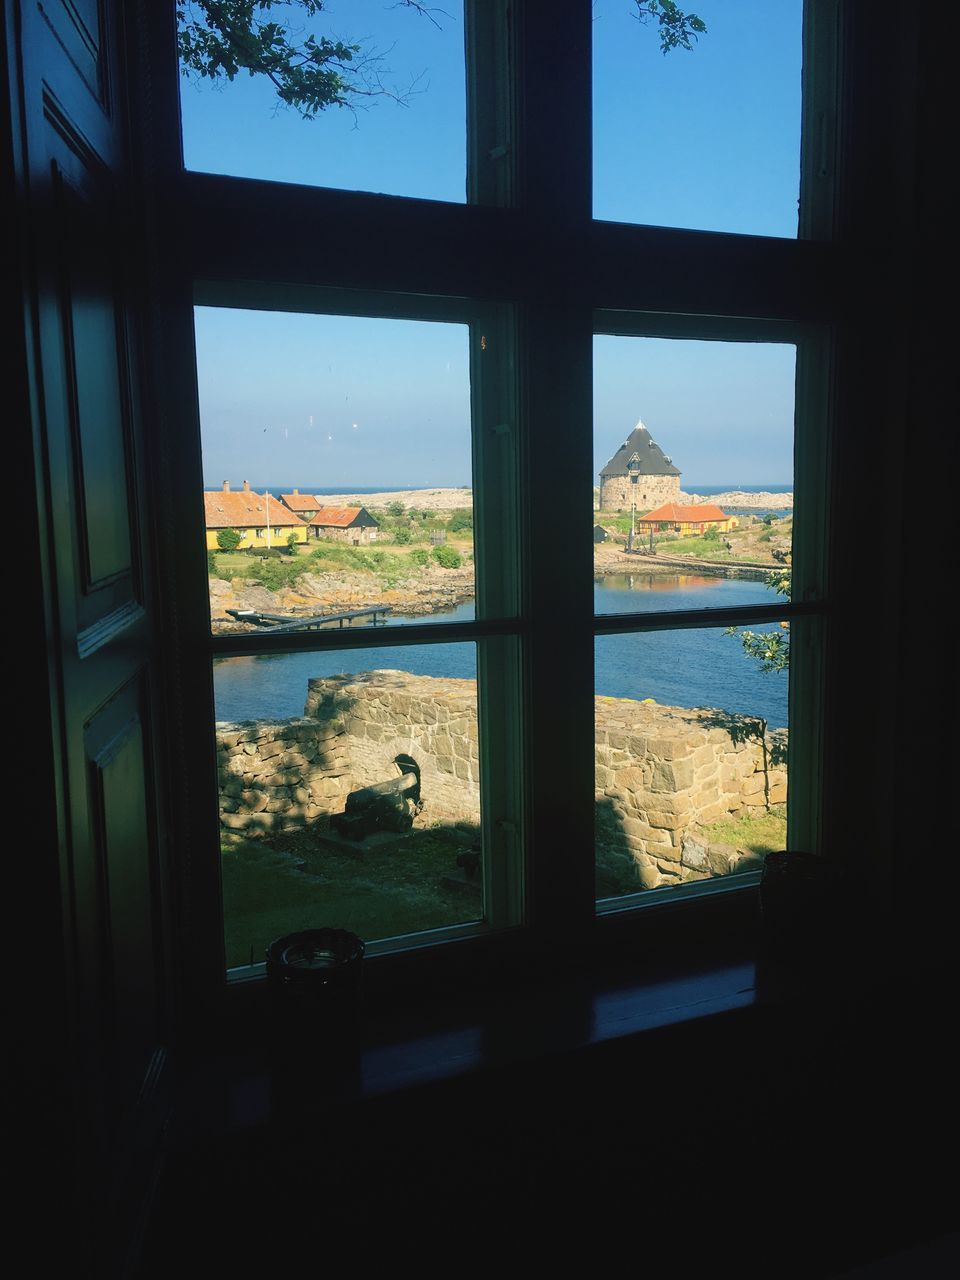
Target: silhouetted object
315	981
469	861
799	906
384	806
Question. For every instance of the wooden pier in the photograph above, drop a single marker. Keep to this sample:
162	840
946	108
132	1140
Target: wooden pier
281	623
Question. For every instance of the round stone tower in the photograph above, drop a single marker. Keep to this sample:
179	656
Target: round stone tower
658	480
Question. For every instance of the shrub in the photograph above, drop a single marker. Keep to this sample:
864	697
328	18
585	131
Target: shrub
460	520
292	541
401	536
395	509
276	575
712	534
263	553
447	557
228	539
211	562
420	556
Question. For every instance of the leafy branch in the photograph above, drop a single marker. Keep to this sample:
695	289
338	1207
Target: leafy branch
677	30
769	649
220	38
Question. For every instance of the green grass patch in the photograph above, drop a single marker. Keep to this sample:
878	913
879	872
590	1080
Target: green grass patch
761	833
302	882
703	548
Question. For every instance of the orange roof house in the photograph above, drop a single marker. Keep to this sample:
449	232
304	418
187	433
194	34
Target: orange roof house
260	518
692	519
346	524
306	505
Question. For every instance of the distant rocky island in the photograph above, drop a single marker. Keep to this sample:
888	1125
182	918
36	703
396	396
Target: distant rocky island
737	498
451	499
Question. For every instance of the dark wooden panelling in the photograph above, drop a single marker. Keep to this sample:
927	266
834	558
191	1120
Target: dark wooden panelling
75	25
124	852
98	402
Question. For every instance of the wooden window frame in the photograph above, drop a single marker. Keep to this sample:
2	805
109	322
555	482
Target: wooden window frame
528	250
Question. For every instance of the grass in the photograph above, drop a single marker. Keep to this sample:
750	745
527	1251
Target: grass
301	882
764	833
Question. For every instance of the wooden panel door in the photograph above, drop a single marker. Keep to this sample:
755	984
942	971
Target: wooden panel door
83	291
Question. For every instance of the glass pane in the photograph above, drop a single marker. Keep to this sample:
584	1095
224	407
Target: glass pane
691	747
706	136
349	793
386	112
693	450
337	470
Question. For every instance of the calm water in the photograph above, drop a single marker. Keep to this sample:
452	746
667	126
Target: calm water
701	668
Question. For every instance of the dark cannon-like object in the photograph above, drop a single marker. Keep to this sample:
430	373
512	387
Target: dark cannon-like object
383	806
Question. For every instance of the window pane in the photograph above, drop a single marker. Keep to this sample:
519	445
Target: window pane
349	793
397	123
707	137
693	449
337	470
691	742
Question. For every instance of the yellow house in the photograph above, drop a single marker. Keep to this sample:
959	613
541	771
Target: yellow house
695	519
260	519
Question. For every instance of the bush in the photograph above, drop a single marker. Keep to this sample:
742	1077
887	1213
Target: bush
293	542
401	536
447	557
275	576
460	520
211	562
712	534
395	508
263	553
420	556
228	539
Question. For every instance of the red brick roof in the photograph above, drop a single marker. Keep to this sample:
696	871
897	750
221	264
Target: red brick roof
301	501
245	510
673	512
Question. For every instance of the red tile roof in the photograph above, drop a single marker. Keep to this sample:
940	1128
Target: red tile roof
339	517
245	510
673	512
301	501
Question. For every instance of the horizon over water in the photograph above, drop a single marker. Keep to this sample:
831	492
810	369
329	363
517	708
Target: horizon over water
276	490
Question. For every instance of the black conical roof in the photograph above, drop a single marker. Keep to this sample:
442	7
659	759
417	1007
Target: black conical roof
653	461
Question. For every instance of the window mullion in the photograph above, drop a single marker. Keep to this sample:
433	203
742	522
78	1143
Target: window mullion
554	184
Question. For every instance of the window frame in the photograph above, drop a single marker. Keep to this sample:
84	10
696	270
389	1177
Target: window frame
498	252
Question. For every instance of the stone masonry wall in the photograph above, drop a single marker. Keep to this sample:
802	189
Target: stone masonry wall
662	773
665	772
277	775
385	714
651	492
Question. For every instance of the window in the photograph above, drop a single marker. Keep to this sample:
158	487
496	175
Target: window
533	281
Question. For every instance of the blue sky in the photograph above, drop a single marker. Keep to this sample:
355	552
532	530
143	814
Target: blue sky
707	139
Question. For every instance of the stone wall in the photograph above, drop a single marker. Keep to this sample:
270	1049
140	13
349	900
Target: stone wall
278	775
385	714
651	492
662	773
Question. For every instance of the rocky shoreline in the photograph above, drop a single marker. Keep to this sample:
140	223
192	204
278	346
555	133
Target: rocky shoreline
434	590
